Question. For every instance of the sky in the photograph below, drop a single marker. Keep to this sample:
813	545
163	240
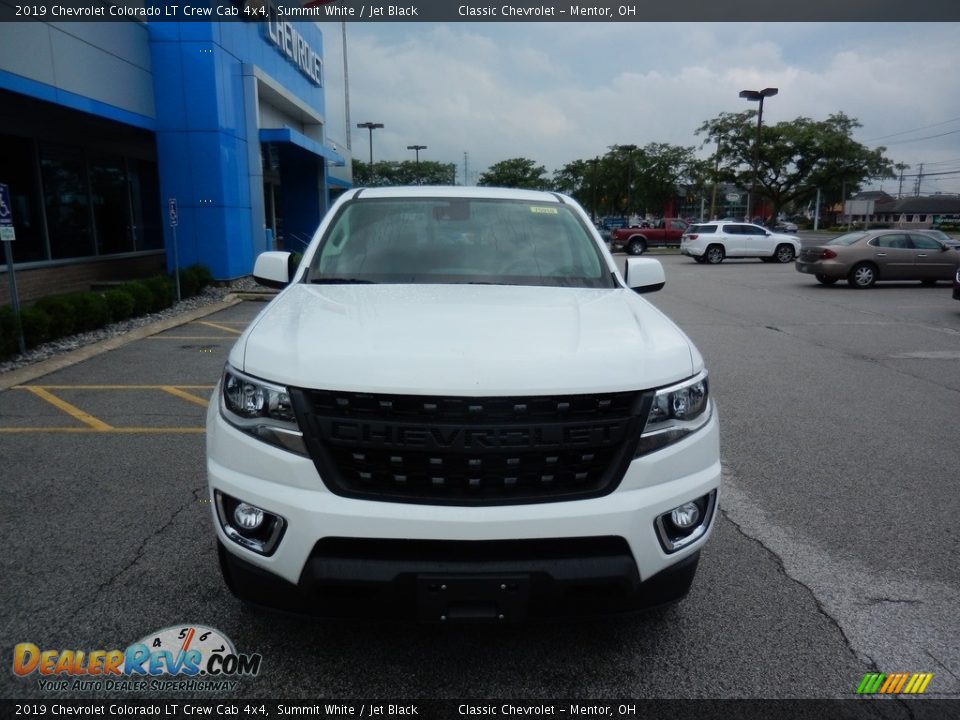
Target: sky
557	92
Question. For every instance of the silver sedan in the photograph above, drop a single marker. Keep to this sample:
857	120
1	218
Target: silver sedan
865	257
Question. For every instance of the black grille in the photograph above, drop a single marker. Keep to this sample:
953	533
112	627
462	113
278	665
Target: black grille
470	451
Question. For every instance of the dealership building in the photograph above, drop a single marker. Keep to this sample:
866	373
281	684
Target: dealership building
127	143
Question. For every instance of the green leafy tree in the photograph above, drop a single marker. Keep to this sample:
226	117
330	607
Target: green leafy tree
516	173
403	172
629	179
795	157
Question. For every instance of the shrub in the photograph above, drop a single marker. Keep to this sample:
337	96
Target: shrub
36	326
201	276
193	280
141	294
8	332
62	311
120	303
188	283
92	310
162	291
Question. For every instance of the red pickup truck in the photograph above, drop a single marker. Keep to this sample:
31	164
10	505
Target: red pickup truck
637	240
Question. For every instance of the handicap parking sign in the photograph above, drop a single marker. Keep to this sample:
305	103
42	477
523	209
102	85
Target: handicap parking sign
7	232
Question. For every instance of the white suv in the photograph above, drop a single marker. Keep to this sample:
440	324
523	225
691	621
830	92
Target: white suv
458	409
713	241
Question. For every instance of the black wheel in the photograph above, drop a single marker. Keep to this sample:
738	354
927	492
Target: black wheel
862	275
784	253
824	280
928	282
715	254
636	247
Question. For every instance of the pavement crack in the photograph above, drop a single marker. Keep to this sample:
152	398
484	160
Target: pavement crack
941	663
861	656
196	494
904	601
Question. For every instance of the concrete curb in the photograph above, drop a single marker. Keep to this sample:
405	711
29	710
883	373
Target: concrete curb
45	367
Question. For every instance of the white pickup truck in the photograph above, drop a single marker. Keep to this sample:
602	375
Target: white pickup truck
459	410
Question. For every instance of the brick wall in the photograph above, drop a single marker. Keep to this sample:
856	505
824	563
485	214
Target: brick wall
35	284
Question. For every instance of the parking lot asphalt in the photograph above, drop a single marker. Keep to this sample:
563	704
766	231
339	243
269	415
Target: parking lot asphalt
834	554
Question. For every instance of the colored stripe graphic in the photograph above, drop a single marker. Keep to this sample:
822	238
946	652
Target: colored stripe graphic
894	684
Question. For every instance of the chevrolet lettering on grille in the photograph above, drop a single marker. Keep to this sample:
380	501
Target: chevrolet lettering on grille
359	434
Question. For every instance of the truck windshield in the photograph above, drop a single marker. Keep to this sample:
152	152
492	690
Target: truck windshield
459	240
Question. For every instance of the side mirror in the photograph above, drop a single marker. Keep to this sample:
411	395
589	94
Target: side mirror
644	275
272	269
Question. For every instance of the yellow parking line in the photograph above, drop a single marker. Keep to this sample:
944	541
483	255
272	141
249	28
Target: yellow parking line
107	430
219	327
177	392
112	387
71	410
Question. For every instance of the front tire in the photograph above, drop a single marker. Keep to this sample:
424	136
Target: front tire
636	247
824	280
784	253
862	276
715	254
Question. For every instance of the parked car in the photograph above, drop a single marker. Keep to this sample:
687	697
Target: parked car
866	256
785	226
942	237
385	440
956	284
714	241
637	240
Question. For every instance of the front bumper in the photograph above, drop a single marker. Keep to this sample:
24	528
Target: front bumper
626	566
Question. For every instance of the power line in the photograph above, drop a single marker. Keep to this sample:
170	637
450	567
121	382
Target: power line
928	137
906	132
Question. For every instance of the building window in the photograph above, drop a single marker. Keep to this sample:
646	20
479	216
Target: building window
111	204
18	171
67	201
145	201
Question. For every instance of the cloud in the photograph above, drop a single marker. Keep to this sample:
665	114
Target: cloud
563	91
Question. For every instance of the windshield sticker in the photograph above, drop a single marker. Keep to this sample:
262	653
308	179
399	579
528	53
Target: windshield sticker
543	210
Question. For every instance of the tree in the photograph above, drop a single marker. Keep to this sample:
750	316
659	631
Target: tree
629	179
795	157
516	173
403	172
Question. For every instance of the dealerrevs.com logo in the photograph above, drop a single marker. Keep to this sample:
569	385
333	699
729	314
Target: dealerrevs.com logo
177	658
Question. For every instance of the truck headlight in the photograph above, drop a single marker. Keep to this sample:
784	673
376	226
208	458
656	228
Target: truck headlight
260	409
676	412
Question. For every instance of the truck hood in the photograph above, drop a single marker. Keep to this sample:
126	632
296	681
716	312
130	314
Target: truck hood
476	340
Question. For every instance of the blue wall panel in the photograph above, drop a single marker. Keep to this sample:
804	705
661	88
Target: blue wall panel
204	151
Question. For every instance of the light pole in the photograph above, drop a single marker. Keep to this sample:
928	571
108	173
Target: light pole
371	126
417	149
753	96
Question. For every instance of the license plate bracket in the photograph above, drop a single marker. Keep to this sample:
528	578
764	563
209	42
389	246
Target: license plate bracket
472	598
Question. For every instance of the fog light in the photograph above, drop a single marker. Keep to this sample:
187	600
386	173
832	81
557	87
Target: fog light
250	518
247	525
683	517
685	524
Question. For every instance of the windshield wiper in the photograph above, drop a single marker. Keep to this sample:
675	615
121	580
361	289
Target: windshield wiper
340	281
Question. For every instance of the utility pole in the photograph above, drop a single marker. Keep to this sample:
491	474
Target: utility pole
816	212
901	167
716	175
754	96
465	179
371	126
417	149
919	180
346	87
